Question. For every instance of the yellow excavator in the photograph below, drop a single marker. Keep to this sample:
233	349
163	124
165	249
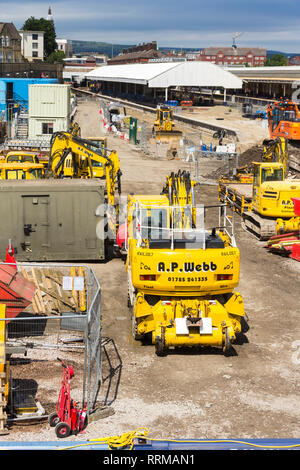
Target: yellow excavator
266	194
274	151
181	275
72	156
261	202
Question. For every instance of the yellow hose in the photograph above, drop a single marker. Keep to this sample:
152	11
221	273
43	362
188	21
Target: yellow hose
127	440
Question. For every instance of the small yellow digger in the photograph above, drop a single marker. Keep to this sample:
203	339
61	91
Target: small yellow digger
181	276
164	123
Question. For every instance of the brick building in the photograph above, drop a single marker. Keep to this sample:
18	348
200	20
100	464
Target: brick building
139	54
234	56
10	44
294	60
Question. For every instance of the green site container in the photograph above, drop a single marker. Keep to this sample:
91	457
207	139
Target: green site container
53	220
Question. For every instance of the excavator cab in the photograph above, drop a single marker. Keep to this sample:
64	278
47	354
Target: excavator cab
99	145
264	173
21	157
284	120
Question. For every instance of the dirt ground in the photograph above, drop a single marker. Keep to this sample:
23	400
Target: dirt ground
199	394
249	132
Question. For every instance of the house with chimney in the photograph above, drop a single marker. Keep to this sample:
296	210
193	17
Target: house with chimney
139	54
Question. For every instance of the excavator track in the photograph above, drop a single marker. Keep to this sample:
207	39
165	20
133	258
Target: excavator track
261	228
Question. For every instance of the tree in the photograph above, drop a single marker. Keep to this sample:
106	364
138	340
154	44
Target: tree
56	56
276	60
33	24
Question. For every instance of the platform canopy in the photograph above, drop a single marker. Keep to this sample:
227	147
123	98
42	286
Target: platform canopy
280	74
170	74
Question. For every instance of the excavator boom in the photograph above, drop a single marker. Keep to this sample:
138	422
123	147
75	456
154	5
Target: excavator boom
72	156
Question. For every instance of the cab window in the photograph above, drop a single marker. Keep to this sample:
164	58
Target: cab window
256	176
270	174
154	223
97	164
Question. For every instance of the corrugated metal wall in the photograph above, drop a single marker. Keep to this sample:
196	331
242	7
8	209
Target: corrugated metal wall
49	101
35	127
48	104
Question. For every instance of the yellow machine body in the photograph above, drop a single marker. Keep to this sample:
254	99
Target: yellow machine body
164	121
21	171
181	292
286	226
261	202
271	192
20	156
23	156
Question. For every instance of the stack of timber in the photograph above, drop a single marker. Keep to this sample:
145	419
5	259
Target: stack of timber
49	297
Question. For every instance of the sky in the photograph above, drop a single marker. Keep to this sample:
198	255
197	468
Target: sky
272	24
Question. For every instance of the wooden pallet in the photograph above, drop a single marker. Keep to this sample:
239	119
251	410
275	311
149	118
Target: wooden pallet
49	297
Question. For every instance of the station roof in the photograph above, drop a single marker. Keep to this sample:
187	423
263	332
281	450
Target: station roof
163	75
283	74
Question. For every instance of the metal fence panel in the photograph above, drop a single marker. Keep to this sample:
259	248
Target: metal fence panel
51	311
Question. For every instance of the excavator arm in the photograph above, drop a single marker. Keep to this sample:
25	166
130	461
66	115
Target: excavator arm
180	189
72	156
276	150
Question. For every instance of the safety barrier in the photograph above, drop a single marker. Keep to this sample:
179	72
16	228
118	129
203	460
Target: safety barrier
186	103
51	310
109	127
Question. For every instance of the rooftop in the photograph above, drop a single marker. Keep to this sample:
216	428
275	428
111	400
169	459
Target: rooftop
163	75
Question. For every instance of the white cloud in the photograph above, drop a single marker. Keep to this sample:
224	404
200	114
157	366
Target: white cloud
129	23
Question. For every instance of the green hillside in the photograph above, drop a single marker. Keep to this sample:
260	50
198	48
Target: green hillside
99	47
112	49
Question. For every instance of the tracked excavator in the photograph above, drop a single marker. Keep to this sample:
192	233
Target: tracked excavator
266	195
274	150
181	274
271	199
